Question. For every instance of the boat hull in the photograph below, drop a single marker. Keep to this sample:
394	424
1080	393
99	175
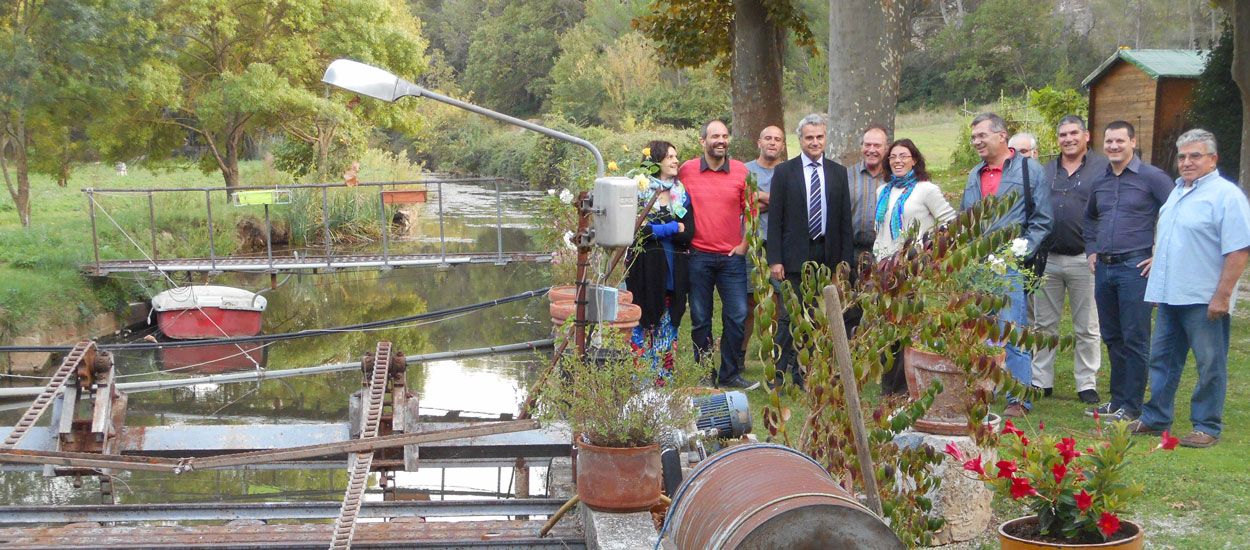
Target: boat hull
208	322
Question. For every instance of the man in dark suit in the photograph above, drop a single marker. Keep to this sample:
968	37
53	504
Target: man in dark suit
809	221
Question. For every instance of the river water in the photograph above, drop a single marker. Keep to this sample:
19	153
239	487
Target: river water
486	386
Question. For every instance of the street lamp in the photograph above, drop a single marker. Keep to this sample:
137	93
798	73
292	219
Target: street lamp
371	81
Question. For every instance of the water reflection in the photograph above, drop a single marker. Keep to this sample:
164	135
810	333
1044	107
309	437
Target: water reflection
489	385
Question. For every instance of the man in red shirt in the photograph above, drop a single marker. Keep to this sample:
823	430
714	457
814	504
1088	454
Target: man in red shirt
717	188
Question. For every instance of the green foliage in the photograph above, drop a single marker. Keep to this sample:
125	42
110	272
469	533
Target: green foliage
1054	104
1215	103
512	51
614	399
689	33
1002	46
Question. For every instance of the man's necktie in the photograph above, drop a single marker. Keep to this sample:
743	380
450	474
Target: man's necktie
813	203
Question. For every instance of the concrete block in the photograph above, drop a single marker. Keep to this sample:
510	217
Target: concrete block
608	531
961	499
27	363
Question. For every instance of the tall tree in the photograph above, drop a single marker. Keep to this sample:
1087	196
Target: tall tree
512	51
236	67
744	38
1239	14
866	44
60	59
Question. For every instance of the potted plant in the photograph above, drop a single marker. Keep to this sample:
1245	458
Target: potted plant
619	408
1077	495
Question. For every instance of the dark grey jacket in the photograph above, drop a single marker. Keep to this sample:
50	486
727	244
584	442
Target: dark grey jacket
1037	226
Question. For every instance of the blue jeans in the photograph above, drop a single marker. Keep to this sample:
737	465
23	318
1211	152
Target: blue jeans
1179	329
1019	362
728	274
1124	320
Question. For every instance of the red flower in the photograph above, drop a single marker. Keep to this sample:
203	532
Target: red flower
1021	488
1041	425
1167	442
1060	471
1108	524
974	465
1097	417
1024	441
954	451
1083	500
1006	468
1067	449
1009	428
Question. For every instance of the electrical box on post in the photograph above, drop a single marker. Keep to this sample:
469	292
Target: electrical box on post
615	203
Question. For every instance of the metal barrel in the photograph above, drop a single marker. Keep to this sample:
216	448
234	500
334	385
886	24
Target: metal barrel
769	496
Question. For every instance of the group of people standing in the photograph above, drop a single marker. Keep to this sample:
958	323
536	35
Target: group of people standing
1113	235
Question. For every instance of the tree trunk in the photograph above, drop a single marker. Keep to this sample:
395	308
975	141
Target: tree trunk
230	164
1239	13
20	194
756	76
863	89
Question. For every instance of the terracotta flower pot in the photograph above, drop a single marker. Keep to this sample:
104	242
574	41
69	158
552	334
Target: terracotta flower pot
627	315
948	414
566	293
1129	537
624	479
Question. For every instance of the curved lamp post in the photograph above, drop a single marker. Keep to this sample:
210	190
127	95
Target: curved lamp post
371	81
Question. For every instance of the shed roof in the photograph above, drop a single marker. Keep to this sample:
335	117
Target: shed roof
1156	63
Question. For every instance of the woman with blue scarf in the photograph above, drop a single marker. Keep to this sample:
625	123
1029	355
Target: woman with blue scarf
907	199
658	273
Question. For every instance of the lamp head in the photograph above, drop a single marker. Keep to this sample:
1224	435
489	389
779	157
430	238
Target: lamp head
368	80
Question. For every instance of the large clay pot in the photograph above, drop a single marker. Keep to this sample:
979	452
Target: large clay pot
1130	538
618	479
627	315
566	293
948	414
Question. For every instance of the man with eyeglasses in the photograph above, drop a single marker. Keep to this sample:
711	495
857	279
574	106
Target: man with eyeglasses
1200	251
1070	177
1001	173
1119	231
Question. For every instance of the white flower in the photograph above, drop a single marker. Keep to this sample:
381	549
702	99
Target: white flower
566	196
1019	247
997	265
551	191
568	239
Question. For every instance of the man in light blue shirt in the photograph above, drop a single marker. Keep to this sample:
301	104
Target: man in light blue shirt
1201	247
772	145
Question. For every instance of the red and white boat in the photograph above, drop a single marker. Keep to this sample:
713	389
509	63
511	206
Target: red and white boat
201	312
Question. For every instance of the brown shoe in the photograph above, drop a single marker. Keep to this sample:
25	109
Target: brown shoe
1015	410
1199	440
1136	427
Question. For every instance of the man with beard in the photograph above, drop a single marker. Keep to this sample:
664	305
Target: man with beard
717	188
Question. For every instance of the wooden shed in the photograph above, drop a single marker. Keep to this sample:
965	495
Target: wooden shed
1151	90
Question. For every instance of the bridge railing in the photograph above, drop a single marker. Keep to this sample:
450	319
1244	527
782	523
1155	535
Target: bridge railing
387	193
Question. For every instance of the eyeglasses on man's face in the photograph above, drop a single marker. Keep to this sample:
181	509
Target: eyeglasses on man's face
1191	157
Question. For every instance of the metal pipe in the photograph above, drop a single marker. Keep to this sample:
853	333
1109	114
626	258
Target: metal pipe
386	229
212	248
219	511
325	219
95	239
290	186
149	385
499	223
442	239
152	223
268	238
414	90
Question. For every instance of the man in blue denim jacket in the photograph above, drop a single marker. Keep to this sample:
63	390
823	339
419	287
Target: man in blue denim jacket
1001	173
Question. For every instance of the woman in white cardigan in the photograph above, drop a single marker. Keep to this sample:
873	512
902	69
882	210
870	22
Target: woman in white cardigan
907	199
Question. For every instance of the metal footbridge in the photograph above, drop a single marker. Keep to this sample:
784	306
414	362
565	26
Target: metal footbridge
326	256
